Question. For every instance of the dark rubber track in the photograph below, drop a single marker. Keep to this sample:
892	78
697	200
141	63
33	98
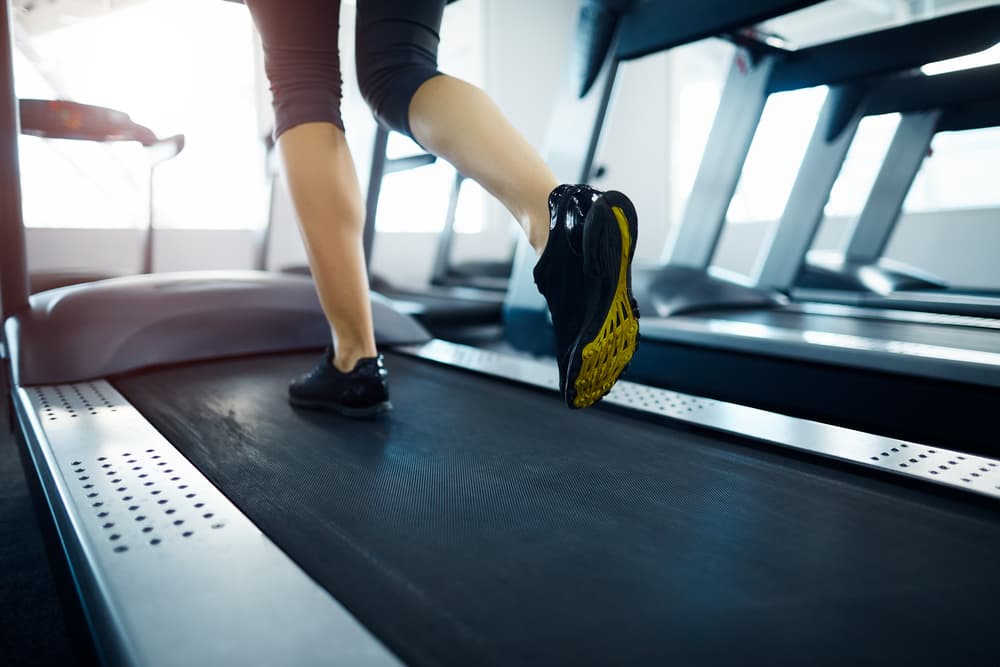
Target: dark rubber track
484	524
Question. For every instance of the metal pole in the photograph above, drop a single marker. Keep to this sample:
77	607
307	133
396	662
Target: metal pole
442	260
381	144
784	250
14	288
870	234
694	241
148	239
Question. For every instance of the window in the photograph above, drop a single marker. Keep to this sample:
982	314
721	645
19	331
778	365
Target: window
176	66
699	72
776	155
861	166
957	175
416	201
961	172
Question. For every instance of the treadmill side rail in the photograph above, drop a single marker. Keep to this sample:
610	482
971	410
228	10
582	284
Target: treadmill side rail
966	472
169	571
828	343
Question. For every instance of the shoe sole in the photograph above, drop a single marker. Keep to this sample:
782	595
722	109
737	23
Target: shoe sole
608	341
356	413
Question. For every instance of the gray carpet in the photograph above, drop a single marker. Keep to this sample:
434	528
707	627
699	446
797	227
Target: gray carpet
32	630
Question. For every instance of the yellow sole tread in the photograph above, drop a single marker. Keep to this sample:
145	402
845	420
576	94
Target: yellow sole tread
606	356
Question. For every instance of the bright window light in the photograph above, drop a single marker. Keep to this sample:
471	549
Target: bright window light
174	75
776	155
960	173
697	103
862	164
700	72
471	205
990	56
416	201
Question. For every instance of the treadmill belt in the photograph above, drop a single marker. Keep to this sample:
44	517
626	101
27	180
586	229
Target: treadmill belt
484	524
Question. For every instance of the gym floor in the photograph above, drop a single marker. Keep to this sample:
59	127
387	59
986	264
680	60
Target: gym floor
32	629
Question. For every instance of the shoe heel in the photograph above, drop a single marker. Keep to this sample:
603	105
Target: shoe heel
615	199
609	249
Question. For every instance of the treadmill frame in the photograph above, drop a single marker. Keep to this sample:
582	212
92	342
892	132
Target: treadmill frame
869	234
168	570
213	596
86	421
962	100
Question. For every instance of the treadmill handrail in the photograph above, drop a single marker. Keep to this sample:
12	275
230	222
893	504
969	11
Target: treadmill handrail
651	26
64	119
887	51
943	91
975	118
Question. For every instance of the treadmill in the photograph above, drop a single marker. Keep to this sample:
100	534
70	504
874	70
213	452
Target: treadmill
206	522
904	374
958	102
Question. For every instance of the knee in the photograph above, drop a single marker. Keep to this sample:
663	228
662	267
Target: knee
304	91
301	60
396	52
389	86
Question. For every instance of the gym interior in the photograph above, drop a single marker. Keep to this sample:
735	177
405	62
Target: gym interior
800	466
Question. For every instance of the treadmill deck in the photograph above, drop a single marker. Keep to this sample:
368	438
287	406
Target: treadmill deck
484	524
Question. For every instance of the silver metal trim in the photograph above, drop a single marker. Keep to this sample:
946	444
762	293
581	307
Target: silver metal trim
943	298
891	315
938	465
170	571
926	300
936	361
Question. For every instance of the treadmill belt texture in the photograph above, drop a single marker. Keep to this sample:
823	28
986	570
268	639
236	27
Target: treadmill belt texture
481	523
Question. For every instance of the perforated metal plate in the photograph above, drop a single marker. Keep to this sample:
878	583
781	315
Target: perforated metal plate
141	497
939	465
172	572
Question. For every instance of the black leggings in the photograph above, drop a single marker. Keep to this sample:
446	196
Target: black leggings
396	52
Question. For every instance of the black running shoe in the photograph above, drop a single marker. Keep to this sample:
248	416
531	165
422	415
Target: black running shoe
585	275
363	392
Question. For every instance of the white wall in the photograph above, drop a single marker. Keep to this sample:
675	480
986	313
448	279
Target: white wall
635	148
119	251
960	246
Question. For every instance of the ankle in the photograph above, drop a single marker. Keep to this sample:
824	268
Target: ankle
537	225
538	239
346	359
